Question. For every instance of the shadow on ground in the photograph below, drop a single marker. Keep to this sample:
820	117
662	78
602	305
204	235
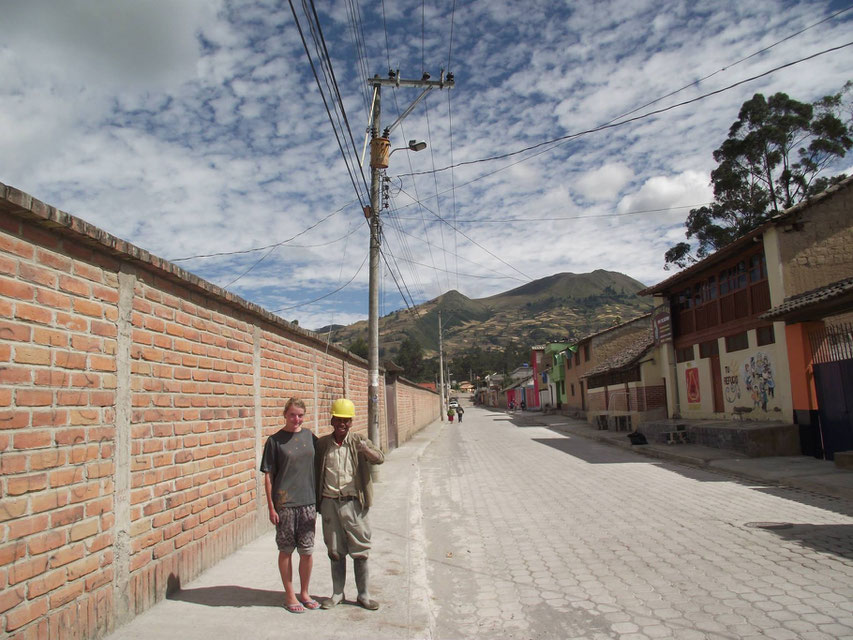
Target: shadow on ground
604	453
836	539
230	596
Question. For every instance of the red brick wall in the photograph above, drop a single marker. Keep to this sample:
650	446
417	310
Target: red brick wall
642	398
134	402
416	408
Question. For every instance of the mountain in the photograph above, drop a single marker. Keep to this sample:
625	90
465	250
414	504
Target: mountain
558	307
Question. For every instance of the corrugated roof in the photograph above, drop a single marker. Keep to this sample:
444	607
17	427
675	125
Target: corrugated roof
625	358
810	298
614	327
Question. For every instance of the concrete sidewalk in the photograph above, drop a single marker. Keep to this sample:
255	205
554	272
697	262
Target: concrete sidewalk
800	472
242	596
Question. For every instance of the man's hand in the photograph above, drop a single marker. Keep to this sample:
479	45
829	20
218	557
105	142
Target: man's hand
273	516
367	448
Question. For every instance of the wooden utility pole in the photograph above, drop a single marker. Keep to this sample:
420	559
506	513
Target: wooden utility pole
380	152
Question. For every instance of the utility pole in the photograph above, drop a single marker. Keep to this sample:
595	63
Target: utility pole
380	152
441	367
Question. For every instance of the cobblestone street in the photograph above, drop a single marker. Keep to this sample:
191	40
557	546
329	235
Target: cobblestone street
535	534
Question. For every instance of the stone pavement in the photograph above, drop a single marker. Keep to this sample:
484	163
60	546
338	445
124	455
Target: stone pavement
538	533
507	527
802	472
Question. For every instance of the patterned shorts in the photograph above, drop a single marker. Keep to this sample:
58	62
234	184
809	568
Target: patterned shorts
295	529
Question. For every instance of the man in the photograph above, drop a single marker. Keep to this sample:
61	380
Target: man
288	465
344	496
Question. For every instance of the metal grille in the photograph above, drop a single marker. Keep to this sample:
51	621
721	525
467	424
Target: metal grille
833	343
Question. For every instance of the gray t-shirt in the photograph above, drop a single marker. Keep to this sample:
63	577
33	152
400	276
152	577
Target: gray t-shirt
289	457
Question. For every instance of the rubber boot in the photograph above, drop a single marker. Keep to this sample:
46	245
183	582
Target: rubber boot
339	579
361	579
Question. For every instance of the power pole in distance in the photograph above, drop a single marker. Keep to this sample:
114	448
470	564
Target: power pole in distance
380	152
441	367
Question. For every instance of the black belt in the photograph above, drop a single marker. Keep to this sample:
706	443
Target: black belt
343	498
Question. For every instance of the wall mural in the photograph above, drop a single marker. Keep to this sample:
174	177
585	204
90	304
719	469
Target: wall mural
758	380
694	395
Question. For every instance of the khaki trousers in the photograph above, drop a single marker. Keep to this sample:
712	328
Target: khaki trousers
346	530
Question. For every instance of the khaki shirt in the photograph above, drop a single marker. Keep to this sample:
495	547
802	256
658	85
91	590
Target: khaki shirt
339	477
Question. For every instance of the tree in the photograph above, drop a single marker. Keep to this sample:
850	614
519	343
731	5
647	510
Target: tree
410	357
359	347
769	162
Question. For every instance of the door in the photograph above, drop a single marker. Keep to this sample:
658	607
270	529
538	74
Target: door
834	386
717	379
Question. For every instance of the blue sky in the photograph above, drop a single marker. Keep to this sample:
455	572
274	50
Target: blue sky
196	127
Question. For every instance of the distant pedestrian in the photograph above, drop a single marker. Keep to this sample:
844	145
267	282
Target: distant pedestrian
459	412
450	413
523	405
288	467
344	494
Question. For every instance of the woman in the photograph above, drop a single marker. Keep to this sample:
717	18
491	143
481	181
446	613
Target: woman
288	465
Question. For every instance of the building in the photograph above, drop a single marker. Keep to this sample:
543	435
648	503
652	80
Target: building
745	330
590	353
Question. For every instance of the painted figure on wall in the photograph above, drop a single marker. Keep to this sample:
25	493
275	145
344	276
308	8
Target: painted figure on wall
694	395
758	379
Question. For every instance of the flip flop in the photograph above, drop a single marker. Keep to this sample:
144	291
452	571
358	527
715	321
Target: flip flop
296	607
310	603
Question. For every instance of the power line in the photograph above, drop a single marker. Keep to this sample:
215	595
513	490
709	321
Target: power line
579	217
270	246
343	286
326	104
463	258
612	125
472	241
733	64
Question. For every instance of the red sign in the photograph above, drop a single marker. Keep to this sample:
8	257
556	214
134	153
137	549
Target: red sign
693	394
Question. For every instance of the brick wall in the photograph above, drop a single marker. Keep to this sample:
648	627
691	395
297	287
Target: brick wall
642	398
135	402
416	408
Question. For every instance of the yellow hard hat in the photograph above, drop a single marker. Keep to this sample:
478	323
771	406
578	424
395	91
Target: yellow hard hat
343	408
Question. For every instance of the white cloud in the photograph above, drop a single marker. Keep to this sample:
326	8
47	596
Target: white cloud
604	183
197	127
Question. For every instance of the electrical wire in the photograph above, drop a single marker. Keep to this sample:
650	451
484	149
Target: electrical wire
325	103
579	217
463	258
324	296
733	64
269	246
340	102
474	242
402	295
611	125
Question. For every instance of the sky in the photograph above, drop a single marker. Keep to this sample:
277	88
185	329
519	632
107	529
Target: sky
198	131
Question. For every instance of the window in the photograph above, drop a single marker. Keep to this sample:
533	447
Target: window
577	357
708	349
684	355
737	342
569	361
586	352
757	268
573	389
765	335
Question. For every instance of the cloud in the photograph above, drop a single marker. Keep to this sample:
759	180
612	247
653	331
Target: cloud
198	127
604	183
